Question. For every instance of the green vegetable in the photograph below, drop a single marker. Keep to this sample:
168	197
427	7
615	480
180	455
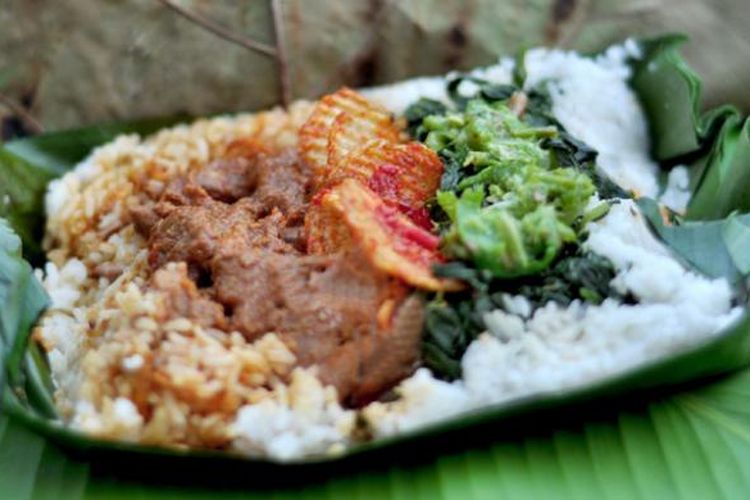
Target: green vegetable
420	110
493	218
449	329
583	276
567	151
501	243
515	191
452	322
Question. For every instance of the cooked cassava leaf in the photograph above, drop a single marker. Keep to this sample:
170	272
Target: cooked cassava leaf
583	276
445	340
450	326
454	320
418	111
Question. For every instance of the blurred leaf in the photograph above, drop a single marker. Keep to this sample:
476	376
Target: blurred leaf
725	181
669	92
22	299
718	248
712	124
22	187
736	236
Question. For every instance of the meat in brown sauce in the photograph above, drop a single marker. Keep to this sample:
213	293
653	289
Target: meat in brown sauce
235	224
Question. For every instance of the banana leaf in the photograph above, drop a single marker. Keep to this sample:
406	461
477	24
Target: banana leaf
717	248
722	187
572	443
669	91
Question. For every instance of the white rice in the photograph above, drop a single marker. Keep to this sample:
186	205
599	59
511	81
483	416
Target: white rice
303	420
554	349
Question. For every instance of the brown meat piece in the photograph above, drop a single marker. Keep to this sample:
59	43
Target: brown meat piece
325	308
274	181
284	182
262	181
144	217
228	179
195	234
234	228
180	192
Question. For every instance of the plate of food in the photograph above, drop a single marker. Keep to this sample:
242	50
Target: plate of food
381	266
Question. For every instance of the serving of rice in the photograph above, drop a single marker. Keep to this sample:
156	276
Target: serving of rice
112	342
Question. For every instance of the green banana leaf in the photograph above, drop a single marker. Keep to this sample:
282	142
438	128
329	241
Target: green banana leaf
657	444
716	248
722	187
715	145
670	92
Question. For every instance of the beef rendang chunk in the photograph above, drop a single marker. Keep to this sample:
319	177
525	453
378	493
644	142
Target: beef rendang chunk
236	226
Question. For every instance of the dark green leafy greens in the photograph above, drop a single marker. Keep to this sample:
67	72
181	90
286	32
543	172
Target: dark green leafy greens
512	205
452	322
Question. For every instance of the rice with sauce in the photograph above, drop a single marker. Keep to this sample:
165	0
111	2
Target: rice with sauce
108	340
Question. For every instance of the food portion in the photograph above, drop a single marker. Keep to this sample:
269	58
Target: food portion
235	227
291	283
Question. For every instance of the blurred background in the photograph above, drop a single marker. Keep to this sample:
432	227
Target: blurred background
77	62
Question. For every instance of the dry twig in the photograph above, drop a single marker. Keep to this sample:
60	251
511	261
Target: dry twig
278	52
282	61
31	123
220	30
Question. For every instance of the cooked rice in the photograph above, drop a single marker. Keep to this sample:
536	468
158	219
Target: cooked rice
123	371
108	342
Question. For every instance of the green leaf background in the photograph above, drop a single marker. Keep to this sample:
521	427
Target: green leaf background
689	443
